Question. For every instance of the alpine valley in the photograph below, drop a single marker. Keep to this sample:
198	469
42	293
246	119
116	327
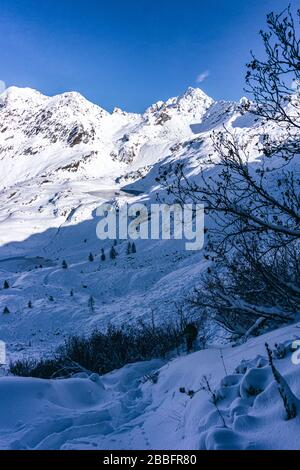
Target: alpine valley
61	157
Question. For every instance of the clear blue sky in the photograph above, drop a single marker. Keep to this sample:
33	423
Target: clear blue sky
130	53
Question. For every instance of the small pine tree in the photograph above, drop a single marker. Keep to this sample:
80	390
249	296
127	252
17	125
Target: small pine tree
5	285
29	304
64	264
91	303
112	253
72	293
133	248
51	299
103	257
115	242
6	310
91	257
129	249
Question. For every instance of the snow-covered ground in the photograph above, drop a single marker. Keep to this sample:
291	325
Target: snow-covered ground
60	158
126	410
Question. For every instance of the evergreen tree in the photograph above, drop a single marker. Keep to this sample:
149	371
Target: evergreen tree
91	303
29	304
129	249
64	264
51	299
72	293
133	248
5	285
112	253
6	310
91	257
103	257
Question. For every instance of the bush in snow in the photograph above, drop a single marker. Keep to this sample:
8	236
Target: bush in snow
104	352
6	310
191	333
103	257
91	257
249	292
38	369
5	285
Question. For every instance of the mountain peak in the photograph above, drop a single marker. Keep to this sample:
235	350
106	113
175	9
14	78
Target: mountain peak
75	101
18	98
22	96
193	102
21	91
191	91
194	94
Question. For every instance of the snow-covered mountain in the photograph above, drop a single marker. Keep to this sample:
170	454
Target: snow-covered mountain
64	141
71	135
60	158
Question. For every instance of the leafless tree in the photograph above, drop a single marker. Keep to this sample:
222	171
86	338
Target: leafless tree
246	293
254	204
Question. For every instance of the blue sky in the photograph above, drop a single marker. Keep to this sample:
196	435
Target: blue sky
131	53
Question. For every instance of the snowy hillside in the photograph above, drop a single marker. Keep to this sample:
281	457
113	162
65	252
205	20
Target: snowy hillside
60	158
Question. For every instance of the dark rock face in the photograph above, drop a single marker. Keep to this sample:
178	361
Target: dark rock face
29	121
78	135
162	118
